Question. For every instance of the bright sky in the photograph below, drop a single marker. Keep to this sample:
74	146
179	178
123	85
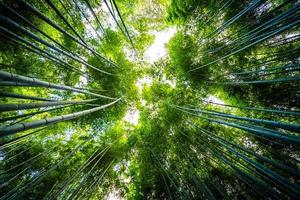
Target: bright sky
113	195
141	82
214	99
132	116
153	53
83	80
172	83
158	49
109	20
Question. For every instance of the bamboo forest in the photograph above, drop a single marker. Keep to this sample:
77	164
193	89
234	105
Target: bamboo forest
149	99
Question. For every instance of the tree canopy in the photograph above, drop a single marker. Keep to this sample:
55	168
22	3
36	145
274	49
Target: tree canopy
149	99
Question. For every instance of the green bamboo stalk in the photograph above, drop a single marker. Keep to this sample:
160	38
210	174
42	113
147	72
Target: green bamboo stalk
172	178
126	30
86	18
44	42
207	194
220	153
288	67
68	11
11	83
267	25
285	68
51	4
262	187
32	113
42	175
49	21
256	30
80	170
96	183
111	13
34	48
95	16
254	34
255	131
22	96
18	139
85	177
62	186
34	158
197	164
24	106
57	27
278	164
278	124
249	7
293	188
48	121
273	33
273	81
284	112
33	26
14	177
36	82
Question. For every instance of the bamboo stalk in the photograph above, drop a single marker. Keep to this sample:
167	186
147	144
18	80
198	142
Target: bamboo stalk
22	96
24	106
48	121
36	82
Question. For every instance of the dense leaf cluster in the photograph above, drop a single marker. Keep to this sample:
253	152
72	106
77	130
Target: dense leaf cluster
86	115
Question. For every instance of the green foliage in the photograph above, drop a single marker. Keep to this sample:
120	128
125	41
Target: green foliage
179	10
216	118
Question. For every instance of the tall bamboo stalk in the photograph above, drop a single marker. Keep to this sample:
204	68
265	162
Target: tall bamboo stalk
48	121
36	82
24	106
